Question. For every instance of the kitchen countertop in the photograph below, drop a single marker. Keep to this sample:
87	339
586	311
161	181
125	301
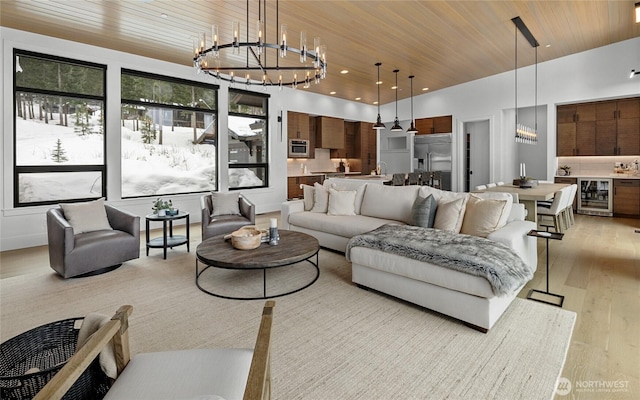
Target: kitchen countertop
323	173
602	176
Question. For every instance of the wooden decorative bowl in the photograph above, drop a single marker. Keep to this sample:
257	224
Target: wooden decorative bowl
246	238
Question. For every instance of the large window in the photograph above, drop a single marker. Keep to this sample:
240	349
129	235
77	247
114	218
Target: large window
248	140
169	135
59	130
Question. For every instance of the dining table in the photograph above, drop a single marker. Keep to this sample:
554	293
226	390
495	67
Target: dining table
529	196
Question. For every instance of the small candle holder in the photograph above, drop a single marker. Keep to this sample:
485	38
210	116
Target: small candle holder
274	237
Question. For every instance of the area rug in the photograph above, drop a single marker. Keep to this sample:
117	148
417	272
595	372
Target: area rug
331	340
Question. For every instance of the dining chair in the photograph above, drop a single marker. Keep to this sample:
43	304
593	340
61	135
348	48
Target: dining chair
398	179
554	212
573	190
414	178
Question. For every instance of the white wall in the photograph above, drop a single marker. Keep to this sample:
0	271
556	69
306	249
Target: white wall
596	74
25	226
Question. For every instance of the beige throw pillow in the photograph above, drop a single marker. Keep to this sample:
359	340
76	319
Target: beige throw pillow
225	203
341	202
86	217
320	198
308	194
483	216
449	215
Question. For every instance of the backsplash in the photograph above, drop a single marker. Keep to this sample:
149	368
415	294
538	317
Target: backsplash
597	166
321	163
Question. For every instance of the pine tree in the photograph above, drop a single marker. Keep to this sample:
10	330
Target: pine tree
82	126
147	131
58	153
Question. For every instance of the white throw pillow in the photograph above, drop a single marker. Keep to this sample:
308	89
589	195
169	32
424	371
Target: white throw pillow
320	198
342	202
483	216
87	217
225	203
308	194
389	202
342	185
449	215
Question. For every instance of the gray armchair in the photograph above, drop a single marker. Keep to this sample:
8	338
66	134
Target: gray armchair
89	253
223	224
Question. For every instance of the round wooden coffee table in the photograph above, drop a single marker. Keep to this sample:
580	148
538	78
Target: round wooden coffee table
294	247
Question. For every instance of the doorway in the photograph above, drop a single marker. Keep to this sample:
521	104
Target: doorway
476	158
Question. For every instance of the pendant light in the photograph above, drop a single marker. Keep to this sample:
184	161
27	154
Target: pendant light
379	125
412	128
396	123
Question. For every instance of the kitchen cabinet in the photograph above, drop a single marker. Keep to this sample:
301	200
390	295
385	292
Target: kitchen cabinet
293	184
349	149
576	129
329	133
626	197
297	125
442	124
601	128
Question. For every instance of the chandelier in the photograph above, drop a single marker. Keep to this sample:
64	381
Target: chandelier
526	134
261	57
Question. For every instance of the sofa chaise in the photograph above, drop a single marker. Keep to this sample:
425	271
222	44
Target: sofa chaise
454	292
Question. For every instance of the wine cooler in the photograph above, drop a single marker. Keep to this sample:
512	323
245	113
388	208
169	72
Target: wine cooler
595	197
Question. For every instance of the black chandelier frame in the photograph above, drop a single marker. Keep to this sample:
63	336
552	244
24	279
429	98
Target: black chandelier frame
318	63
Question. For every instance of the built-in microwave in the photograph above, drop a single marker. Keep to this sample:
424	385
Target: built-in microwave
298	148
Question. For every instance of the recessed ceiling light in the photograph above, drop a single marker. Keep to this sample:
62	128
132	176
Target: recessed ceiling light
547	46
358	98
375	102
424	89
332	92
163	15
394	87
379	83
344	71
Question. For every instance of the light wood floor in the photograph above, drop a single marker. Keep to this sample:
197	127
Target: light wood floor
596	267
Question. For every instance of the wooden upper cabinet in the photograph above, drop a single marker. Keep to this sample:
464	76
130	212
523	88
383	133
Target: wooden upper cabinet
442	124
349	148
424	126
297	125
566	114
629	127
604	128
566	139
329	133
585	112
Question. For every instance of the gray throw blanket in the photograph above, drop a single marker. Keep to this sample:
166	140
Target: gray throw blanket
499	264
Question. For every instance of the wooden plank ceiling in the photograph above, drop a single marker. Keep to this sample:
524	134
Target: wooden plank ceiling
442	43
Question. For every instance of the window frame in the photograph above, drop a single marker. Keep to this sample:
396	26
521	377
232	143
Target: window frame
173	107
21	170
264	117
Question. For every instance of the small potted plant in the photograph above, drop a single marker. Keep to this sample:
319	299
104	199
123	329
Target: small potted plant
566	170
161	207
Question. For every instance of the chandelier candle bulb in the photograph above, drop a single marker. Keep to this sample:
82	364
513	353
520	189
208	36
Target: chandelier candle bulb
214	37
283	45
303	46
235	28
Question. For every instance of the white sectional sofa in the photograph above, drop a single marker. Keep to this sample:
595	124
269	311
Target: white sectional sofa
467	297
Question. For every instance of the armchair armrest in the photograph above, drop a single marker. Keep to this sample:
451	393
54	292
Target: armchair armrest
116	330
60	236
247	209
123	220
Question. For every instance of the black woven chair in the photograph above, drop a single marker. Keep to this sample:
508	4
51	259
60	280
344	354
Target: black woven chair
28	361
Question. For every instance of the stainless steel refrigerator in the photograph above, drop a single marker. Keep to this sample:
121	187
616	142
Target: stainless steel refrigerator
432	155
